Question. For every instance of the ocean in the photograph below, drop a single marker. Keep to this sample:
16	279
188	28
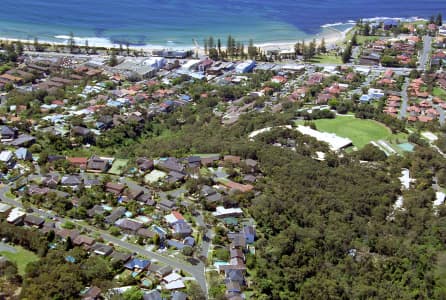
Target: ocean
175	24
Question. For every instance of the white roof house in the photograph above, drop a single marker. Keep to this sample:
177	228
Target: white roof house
335	142
6	156
221	211
15	215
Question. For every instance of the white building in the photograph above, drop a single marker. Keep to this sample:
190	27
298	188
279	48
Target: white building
335	142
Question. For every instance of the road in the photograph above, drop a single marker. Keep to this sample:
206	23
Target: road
405	99
197	271
425	53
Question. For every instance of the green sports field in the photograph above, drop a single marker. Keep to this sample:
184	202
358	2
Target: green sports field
360	131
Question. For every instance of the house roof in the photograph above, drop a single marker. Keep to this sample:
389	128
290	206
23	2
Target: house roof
71	180
34	220
128	224
137	263
152	295
92	293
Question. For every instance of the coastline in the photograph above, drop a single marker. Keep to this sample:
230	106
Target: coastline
329	32
331	35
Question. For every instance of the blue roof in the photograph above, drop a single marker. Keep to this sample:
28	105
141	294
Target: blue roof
21	153
189	241
70	259
185	97
137	263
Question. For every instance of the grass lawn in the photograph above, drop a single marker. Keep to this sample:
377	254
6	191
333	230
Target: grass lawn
22	258
439	92
118	166
327	59
361	132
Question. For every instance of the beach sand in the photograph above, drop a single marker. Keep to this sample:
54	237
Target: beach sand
331	35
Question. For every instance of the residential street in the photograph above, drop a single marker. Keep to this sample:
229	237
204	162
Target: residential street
424	55
197	271
405	99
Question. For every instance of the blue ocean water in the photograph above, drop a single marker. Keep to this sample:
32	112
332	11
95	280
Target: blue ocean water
177	23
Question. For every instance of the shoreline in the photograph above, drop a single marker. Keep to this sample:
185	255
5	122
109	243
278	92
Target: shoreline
331	35
329	32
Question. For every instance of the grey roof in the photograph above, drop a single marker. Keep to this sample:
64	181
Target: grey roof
23	139
71	180
128	224
152	295
115	215
177	295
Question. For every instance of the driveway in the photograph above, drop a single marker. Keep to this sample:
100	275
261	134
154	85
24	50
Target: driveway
6	248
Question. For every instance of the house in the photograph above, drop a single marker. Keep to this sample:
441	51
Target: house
163	271
137	264
80	131
23	154
174	217
209	160
233	288
83	240
222	212
376	94
177	295
96	210
250	234
6	156
144	164
51	179
175	176
146	199
80	162
170	164
370	60
15	216
189	241
8	133
166	204
114	188
235	275
67	233
238	240
193	161
115	215
245	67
101	249
88	183
120	256
23	140
152	295
97	165
145	233
181	229
128	225
71	180
33	221
93	293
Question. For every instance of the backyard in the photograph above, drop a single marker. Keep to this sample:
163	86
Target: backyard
18	255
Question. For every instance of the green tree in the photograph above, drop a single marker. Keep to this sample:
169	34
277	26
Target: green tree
113	59
71	42
133	293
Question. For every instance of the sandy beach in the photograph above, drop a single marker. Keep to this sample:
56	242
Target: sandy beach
332	37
